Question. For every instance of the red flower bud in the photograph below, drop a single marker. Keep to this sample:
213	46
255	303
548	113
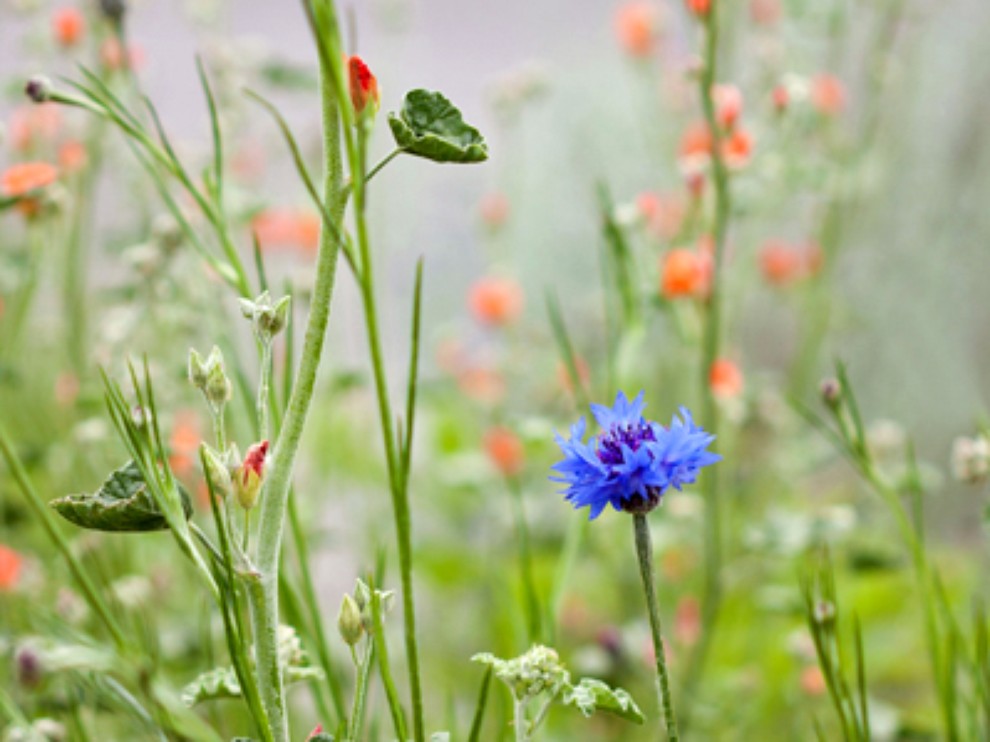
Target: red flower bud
363	86
249	475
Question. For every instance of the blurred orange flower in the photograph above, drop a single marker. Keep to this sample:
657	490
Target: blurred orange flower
700	8
765	12
287	228
637	26
113	57
728	101
184	443
725	378
33	124
10	568
828	95
685	273
812	681
687	621
495	301
68	25
737	148
783	264
505	451
482	384
663	213
72	156
494	210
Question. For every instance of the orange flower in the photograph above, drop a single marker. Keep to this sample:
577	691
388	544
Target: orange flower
34	123
696	141
68	25
685	273
495	301
482	384
287	228
72	156
726	379
19	180
505	451
637	26
812	681
663	214
781	98
10	568
765	12
363	85
728	104
700	8
828	95
184	442
737	149
114	58
782	264
494	210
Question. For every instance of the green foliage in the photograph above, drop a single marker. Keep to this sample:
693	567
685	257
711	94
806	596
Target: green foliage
122	503
592	695
430	126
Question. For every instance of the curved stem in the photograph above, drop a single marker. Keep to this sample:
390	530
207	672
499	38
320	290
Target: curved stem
644	553
263	597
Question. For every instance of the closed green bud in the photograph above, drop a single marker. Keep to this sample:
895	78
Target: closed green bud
349	622
218	389
197	370
217	472
268	319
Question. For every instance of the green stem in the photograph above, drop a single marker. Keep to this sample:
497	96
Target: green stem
525	561
361	691
263	597
712	596
519	721
644	552
384	667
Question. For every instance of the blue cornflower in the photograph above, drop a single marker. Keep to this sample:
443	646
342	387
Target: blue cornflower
633	461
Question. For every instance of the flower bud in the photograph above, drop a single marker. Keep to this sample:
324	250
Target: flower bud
217	472
831	391
113	10
349	622
29	666
197	370
363	87
249	476
38	88
218	389
268	319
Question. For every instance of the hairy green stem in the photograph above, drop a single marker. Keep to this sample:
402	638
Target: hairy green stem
263	597
644	553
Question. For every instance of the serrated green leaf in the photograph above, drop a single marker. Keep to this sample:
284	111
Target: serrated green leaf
430	126
592	695
123	503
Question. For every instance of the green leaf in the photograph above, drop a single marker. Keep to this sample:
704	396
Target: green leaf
221	682
592	695
430	126
123	503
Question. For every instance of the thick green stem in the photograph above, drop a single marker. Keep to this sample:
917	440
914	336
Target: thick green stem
263	598
644	553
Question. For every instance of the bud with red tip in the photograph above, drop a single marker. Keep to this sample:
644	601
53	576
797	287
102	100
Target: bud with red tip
250	474
363	87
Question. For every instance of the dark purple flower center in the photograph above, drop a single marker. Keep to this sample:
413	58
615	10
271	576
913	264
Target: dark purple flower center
610	442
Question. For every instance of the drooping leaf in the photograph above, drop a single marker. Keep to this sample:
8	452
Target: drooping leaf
592	695
123	503
430	126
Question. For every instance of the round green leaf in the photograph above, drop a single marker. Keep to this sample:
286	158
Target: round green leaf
430	126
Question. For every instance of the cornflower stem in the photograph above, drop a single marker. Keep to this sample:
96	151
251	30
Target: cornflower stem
644	553
533	614
712	596
397	461
263	594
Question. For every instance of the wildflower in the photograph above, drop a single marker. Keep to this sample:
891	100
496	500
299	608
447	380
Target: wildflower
494	210
495	301
68	25
725	379
72	156
633	461
728	104
685	273
831	392
782	264
696	142
184	442
363	86
637	26
505	451
485	385
115	57
700	8
10	568
812	681
765	12
662	213
971	459
737	148
287	228
20	180
828	95
781	98
249	475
